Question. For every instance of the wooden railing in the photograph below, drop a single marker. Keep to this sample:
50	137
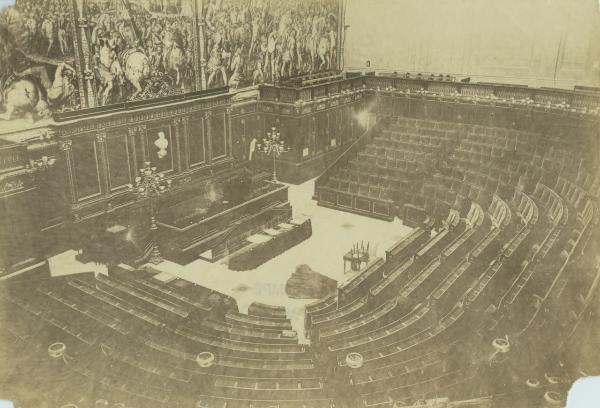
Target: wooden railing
567	99
290	94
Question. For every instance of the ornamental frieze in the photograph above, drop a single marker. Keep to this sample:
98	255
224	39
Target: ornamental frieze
123	118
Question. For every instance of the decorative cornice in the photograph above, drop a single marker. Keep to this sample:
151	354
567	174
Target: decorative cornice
140	118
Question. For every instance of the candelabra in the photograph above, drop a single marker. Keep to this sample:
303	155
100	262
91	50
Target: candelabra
151	185
273	146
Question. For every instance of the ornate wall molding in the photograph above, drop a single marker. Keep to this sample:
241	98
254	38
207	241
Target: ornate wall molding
11	185
151	114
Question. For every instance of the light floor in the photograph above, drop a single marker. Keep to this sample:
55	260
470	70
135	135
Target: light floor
334	233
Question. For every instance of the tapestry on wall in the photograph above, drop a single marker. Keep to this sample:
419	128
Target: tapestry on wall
64	55
261	41
37	59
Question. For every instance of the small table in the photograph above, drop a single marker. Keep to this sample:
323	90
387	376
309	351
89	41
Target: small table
356	260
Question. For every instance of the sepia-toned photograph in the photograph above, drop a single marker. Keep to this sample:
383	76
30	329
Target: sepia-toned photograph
299	203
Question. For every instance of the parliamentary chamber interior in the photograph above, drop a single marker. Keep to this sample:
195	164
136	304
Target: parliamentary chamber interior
298	203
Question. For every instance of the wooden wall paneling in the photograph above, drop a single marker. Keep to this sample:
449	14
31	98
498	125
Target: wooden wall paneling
302	136
196	153
256	127
53	194
17	232
240	145
86	168
218	135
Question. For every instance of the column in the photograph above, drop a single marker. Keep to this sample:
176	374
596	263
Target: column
244	140
208	133
132	132
184	149
102	156
65	146
176	123
228	130
141	131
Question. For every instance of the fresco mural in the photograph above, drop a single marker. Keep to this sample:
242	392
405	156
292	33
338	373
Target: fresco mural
141	49
249	42
37	69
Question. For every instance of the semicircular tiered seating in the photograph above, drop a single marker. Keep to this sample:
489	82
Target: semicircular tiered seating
500	262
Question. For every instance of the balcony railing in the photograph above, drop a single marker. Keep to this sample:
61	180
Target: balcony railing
575	100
